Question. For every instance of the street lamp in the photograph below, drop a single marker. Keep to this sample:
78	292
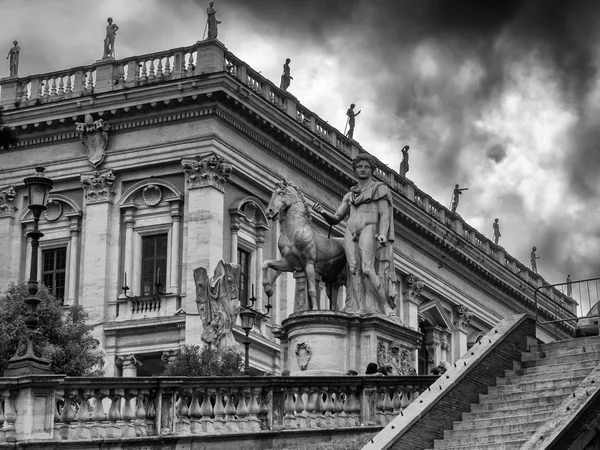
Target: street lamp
27	359
248	317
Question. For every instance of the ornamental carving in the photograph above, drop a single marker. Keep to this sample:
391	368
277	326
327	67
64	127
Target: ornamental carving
208	171
128	361
94	135
396	357
463	316
7	208
303	354
412	288
98	188
218	303
152	195
53	210
169	356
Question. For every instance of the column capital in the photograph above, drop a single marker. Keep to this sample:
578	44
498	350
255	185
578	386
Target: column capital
98	188
75	222
462	317
412	288
7	207
169	355
210	170
175	203
129	214
125	361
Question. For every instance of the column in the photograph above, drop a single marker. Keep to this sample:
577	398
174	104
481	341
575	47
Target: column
129	365
98	194
206	177
412	290
129	220
74	246
235	228
175	245
10	261
462	321
260	242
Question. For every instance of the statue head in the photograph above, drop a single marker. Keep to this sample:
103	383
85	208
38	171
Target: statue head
109	20
211	4
456	186
288	60
496	220
534	248
15	43
352	105
364	157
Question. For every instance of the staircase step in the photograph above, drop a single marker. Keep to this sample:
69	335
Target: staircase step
524	395
475	442
536	385
475	421
493	430
582	368
511	445
520	403
501	414
559	351
566	344
565	359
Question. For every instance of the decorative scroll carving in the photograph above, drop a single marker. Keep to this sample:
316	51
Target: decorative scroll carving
209	171
218	303
7	208
463	317
412	288
303	354
128	361
396	357
98	188
169	356
94	135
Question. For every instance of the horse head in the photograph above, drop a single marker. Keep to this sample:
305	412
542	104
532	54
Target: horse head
284	196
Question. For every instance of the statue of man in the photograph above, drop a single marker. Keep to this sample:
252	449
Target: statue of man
109	40
533	259
286	78
13	60
351	120
455	196
368	239
569	285
212	22
404	163
497	234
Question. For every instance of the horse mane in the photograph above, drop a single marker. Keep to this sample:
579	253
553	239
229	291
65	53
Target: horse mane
285	183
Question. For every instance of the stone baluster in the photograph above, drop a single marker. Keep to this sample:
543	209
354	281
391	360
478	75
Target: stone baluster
299	408
379	406
151	71
388	406
242	408
84	414
46	87
67	415
219	412
353	406
2	433
289	419
396	400
266	408
230	420
320	408
10	416
152	405
338	407
195	412
207	411
254	410
141	429
167	410
182	420
61	86
159	69
98	414
190	67
53	87
113	416
328	408
311	404
128	415
167	71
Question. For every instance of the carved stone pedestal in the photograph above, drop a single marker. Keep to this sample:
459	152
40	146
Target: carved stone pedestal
334	342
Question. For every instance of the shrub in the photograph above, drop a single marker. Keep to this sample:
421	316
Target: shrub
193	361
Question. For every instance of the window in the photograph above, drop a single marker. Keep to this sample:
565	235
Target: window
54	268
154	263
244	263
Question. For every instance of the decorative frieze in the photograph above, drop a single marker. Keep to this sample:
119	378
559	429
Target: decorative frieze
94	135
98	187
395	356
208	171
7	207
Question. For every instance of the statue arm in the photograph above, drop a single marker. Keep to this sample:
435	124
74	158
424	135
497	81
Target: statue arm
334	219
384	219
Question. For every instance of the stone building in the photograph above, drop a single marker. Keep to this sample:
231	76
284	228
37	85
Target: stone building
165	162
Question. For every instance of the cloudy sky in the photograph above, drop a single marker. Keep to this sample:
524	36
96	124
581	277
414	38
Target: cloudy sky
500	96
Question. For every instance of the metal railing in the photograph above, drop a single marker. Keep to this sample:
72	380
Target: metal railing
580	298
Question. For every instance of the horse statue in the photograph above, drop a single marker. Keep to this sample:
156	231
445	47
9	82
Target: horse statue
301	247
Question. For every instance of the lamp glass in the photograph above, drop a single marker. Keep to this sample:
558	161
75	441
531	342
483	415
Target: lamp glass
38	194
247	318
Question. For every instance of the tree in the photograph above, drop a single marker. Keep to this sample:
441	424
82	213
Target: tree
193	361
7	136
68	342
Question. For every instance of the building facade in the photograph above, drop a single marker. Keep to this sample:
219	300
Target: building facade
165	163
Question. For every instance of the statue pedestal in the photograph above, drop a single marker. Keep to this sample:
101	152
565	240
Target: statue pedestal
326	342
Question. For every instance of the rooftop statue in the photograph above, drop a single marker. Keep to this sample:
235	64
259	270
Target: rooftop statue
404	164
109	40
456	196
497	234
301	247
218	303
533	257
13	60
569	285
285	76
212	22
368	240
351	120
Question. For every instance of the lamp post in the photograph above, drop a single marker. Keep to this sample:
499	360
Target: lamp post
247	316
28	359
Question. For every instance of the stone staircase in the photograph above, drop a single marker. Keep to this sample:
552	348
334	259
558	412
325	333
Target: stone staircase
525	398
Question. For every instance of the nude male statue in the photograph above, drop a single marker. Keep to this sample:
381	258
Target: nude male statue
109	40
368	240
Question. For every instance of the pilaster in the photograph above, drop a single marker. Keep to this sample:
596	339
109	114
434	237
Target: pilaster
410	296
74	249
9	263
462	321
205	178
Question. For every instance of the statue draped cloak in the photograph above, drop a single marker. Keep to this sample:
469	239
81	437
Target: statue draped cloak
384	256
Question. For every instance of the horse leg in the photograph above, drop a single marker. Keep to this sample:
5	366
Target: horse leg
278	266
313	300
